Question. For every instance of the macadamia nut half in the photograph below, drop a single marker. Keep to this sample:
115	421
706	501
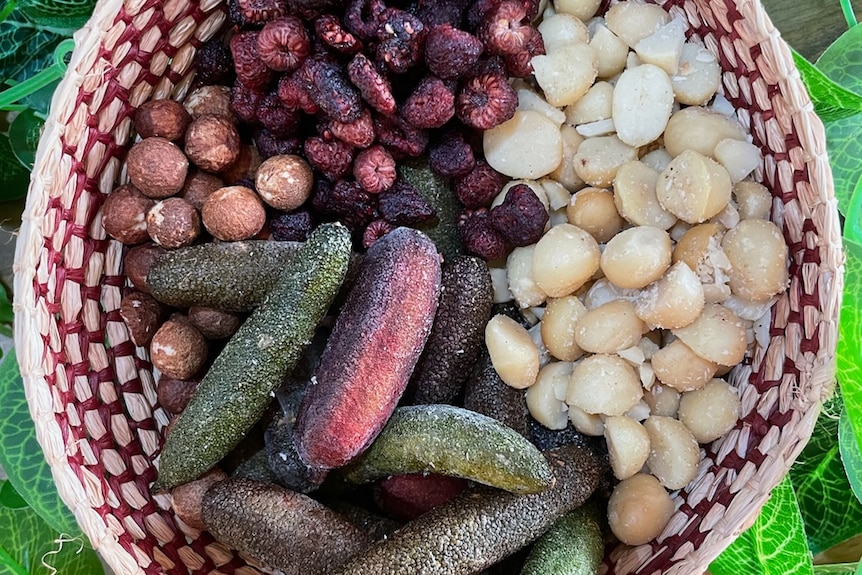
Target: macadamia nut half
639	509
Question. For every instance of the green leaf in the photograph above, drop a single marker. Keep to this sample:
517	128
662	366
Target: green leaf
60	13
850	332
22	458
25	46
836	569
830	514
24	134
774	545
842	63
28	545
14	178
831	100
10	498
6	314
851	457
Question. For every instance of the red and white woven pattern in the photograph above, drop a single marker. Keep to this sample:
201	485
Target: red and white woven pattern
91	391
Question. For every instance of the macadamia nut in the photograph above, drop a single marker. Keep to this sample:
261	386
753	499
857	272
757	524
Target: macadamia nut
636	257
674	452
758	258
639	509
564	259
514	355
628	445
711	412
609	328
558	327
546	399
605	384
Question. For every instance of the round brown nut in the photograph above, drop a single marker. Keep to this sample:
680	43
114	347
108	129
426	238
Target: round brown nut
138	262
163	118
157	167
142	315
212	143
124	215
173	223
233	213
213	100
178	349
174	394
284	182
245	166
214	323
188	498
198	187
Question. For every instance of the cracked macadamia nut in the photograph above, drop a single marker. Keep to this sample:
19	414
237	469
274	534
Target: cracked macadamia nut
163	118
233	213
212	143
157	167
173	223
178	349
284	182
143	315
124	215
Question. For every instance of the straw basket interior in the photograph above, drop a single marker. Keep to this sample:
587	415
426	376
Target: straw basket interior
91	391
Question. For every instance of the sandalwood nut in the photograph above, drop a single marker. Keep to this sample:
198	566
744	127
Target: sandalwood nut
284	182
173	223
174	394
245	166
138	262
214	323
162	118
212	143
198	187
124	215
210	100
233	213
157	167
178	349
142	315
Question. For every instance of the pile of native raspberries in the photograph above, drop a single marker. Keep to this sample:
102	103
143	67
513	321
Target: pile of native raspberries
356	87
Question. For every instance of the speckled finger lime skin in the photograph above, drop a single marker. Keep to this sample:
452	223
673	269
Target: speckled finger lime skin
481	526
572	546
286	530
238	387
453	441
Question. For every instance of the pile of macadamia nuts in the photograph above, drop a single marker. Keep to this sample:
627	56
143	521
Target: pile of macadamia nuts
659	265
177	196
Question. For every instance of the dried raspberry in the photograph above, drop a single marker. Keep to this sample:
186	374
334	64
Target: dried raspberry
520	64
214	64
431	104
275	117
374	169
331	158
451	157
449	52
479	236
477	12
330	90
375	230
292	226
361	17
403	205
284	43
359	133
373	86
345	201
479	188
486	101
244	102
401	36
250	68
503	29
269	146
399	137
488	65
310	9
294	95
438	12
521	218
335	36
257	11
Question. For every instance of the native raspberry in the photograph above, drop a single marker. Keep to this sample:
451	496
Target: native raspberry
346	202
332	158
519	65
479	188
437	12
401	138
401	36
374	87
375	230
284	43
291	226
244	101
330	90
359	133
251	70
479	237
521	218
403	205
431	104
214	64
275	117
503	29
452	156
486	101
295	96
330	31
308	10
477	12
451	53
268	145
244	12
374	169
361	17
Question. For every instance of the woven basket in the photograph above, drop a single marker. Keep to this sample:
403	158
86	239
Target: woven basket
91	391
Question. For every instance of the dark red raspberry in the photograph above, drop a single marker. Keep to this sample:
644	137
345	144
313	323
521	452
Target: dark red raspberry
479	236
431	104
275	117
335	36
331	158
291	226
503	30
401	138
479	188
214	64
375	230
373	86
244	102
403	205
486	101
477	12
346	202
401	36
294	94
437	12
284	43
521	218
374	169
520	64
330	90
361	17
359	133
245	12
449	52
269	146
310	9
251	70
452	156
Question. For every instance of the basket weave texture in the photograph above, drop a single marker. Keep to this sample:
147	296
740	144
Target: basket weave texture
91	391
